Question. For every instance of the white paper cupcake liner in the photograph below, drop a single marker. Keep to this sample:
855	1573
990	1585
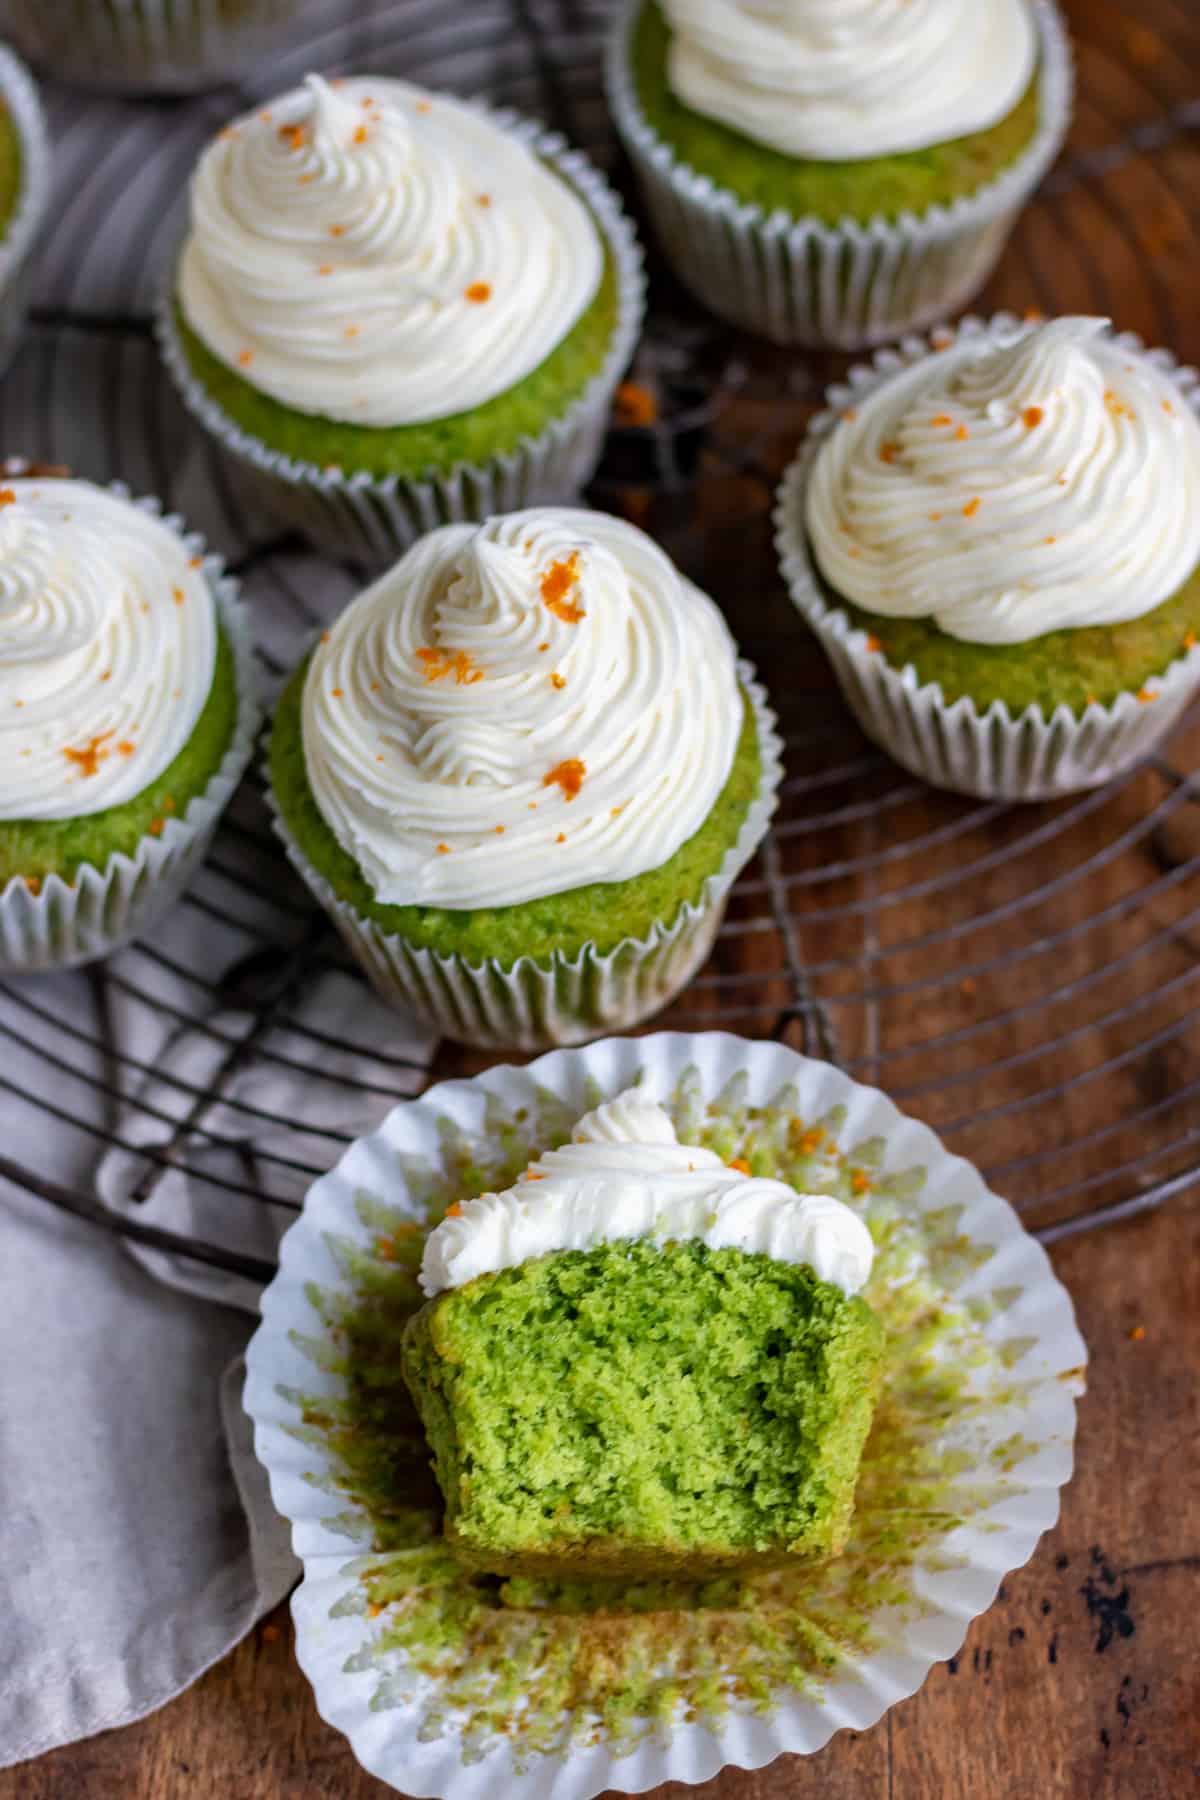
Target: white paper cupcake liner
983	1401
67	923
798	281
990	754
146	46
373	519
531	1006
19	95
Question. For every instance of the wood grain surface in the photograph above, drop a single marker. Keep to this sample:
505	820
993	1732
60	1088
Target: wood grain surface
1054	1041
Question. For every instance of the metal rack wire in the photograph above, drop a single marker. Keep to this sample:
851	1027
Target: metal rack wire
1024	979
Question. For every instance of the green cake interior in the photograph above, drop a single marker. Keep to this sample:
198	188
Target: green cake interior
603	913
641	1409
36	848
830	191
10	167
476	436
1064	668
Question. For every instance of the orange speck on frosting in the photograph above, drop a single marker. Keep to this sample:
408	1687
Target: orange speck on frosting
1033	415
362	135
532	1175
740	1164
337	231
971	508
423	106
352	331
941	419
1033	315
1050	540
455	1211
336	692
195	562
1189	640
1146	695
125	748
294	136
245	357
561	838
7	497
483	199
88	760
499	829
177	595
859	1181
438	662
1167	407
325	269
887	452
304	180
935	517
557	680
567	775
443	849
107	675
961	433
478	292
557	583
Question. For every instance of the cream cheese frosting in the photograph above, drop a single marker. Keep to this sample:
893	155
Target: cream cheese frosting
625	1175
107	648
1010	488
380	255
840	80
520	708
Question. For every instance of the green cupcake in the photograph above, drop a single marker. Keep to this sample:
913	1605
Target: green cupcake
998	542
522	812
839	184
395	309
126	716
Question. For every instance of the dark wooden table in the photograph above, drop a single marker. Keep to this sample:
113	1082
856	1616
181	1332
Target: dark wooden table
1082	1680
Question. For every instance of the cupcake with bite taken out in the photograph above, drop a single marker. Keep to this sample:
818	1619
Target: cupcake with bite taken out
396	310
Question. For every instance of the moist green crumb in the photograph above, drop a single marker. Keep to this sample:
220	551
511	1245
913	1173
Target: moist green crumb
1064	668
602	913
36	848
639	1408
830	191
11	167
476	436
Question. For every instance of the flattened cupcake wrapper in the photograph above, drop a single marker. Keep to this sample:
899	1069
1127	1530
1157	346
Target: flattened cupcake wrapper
990	754
19	95
530	1006
374	519
444	1690
63	923
146	46
799	281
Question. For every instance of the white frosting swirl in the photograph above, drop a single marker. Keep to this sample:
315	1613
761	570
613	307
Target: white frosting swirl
839	80
519	708
381	255
625	1175
1010	490
107	643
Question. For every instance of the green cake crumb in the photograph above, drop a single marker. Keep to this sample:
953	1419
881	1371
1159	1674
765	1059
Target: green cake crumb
439	445
887	186
11	168
643	1409
604	913
35	848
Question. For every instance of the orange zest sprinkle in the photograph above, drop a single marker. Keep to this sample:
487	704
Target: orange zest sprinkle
352	331
1050	540
557	680
971	508
304	180
443	849
561	838
361	135
245	357
478	292
499	829
379	756
1189	640
1136	1333
336	692
438	662
294	136
935	517
634	404
107	675
455	1211
156	827
325	269
1033	415
557	583
177	595
532	1175
195	562
483	199
337	231
265	116
88	760
543	647
887	452
7	497
859	1181
1167	407
873	644
567	775
34	884
125	748
941	419
850	414
740	1164
1033	315
962	433
616	811
423	106
1145	696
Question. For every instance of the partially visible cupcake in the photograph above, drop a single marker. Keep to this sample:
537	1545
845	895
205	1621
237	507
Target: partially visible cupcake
834	175
996	538
24	190
522	771
396	310
127	715
147	46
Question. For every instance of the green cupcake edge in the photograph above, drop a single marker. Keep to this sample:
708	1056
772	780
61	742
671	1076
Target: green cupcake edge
12	169
603	914
33	849
476	437
1075	667
880	186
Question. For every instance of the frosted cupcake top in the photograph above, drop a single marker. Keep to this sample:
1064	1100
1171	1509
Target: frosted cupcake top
839	80
381	255
1010	487
519	708
625	1175
107	647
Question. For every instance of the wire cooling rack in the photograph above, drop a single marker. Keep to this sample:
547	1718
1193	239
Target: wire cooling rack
1023	979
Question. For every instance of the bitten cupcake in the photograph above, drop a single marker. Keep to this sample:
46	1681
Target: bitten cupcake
522	771
997	540
127	716
395	310
24	190
147	46
835	175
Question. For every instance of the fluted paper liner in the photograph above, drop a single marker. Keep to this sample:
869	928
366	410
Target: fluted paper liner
800	281
19	95
147	46
374	518
65	923
991	754
534	1005
451	1685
